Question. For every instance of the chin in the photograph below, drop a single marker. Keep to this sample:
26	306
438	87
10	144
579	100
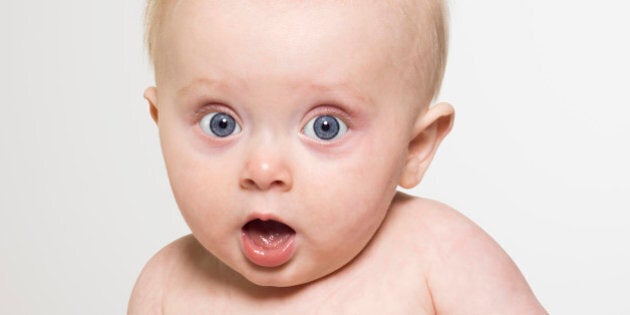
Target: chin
280	277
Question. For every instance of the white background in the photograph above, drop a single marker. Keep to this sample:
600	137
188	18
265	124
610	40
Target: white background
538	156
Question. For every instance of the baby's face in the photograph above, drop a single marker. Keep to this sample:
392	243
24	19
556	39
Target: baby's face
284	127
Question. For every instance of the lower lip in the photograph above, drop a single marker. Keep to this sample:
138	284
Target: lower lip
268	256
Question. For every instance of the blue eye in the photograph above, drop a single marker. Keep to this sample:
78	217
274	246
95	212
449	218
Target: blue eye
325	127
219	125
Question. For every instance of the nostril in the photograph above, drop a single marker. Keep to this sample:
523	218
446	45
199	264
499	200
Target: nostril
277	183
248	184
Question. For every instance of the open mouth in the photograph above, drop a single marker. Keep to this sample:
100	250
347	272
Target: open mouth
268	243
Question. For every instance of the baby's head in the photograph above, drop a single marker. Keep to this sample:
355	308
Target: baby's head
415	28
286	126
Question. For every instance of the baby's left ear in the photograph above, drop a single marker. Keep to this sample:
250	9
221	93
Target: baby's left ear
428	132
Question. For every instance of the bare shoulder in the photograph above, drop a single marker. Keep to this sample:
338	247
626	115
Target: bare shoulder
468	272
150	289
435	223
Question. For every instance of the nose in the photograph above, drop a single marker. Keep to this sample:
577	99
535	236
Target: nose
266	169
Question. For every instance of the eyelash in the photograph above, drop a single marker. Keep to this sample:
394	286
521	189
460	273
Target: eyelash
209	108
328	110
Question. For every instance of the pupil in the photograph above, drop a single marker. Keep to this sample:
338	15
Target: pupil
223	124
325	126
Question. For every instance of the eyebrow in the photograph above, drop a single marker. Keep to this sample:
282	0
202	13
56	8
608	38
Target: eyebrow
199	83
347	89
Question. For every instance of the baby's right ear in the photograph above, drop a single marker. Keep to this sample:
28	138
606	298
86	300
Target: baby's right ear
150	94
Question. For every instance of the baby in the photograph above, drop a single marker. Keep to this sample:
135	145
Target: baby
286	127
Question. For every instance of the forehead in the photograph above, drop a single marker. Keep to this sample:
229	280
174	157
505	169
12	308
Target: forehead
324	41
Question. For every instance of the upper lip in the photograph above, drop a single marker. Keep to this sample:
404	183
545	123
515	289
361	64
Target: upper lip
264	216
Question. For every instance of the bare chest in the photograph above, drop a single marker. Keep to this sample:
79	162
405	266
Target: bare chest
350	300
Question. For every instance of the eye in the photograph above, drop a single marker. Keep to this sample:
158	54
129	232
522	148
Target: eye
219	125
325	127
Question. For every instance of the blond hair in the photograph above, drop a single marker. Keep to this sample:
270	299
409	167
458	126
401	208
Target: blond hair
153	19
428	17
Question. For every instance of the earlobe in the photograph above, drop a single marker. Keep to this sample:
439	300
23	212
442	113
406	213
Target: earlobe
150	94
429	131
411	173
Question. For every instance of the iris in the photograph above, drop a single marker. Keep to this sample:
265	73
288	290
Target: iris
219	125
326	127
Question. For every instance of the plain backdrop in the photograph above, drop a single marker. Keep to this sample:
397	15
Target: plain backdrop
538	156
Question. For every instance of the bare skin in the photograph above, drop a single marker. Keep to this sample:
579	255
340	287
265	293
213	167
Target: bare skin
355	245
455	267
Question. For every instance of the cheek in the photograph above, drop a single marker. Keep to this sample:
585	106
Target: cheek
353	192
372	168
198	181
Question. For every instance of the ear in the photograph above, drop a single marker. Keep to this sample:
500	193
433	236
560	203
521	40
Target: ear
150	94
429	131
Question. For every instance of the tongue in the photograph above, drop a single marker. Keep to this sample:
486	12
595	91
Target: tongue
268	234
